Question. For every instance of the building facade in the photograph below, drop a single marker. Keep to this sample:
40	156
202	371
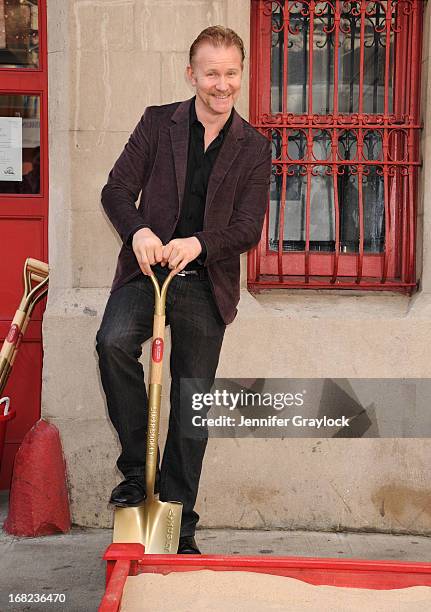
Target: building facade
340	286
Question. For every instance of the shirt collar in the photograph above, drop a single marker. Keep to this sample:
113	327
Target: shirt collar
194	118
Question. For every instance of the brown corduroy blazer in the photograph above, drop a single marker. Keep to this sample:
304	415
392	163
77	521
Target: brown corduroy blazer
154	161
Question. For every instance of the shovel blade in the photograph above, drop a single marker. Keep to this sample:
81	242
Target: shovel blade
154	524
162	527
129	525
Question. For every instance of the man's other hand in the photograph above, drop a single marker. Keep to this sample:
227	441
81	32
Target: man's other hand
148	249
179	252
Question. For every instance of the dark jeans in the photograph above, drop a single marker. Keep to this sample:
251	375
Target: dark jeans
197	332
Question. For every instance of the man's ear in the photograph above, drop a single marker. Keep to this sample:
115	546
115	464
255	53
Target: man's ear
190	75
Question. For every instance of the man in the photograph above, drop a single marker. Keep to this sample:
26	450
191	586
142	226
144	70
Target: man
204	176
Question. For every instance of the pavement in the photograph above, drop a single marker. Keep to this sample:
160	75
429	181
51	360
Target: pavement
71	564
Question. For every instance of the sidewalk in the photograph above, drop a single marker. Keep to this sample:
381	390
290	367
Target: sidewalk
72	564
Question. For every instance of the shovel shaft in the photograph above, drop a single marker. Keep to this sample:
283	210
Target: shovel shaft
154	400
5	369
13	335
155	383
157	350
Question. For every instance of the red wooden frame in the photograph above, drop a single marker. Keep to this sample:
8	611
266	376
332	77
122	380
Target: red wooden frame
394	268
28	208
123	560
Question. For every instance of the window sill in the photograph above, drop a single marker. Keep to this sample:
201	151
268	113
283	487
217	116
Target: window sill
324	305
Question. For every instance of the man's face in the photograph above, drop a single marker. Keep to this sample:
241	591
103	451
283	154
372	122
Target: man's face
216	74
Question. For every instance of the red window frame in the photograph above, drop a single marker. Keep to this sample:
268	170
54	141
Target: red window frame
31	82
394	268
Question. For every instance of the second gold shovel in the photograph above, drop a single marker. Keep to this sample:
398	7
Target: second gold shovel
154	524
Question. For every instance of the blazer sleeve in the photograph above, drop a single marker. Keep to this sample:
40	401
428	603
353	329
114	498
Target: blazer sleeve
126	179
245	226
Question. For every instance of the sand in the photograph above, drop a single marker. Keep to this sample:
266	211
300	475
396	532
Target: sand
217	591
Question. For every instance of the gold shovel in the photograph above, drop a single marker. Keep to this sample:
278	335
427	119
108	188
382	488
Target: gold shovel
36	276
154	524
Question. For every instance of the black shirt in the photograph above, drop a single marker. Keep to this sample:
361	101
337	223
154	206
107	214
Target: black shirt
199	167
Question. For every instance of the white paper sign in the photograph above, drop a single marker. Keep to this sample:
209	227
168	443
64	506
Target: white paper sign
10	149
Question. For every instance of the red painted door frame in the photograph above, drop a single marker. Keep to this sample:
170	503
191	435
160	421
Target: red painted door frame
24	233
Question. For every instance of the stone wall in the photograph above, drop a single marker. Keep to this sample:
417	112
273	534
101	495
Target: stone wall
109	59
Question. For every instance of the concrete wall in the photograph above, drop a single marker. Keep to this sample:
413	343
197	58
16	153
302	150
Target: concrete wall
109	59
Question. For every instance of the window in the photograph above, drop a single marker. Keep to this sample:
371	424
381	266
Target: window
19	34
19	144
335	87
23	97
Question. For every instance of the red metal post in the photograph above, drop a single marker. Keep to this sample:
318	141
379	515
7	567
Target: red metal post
334	132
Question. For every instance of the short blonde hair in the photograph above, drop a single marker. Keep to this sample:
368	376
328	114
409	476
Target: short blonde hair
218	36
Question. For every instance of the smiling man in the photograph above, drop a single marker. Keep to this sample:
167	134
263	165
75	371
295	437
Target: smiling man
203	173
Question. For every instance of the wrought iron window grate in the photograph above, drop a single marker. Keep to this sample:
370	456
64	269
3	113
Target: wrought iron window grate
335	86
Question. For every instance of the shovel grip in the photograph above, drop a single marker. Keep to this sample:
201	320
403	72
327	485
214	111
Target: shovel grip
37	267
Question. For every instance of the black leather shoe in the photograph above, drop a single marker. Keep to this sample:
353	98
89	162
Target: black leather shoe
188	546
130	492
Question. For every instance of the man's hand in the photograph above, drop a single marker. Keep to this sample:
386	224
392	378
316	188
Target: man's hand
147	248
180	251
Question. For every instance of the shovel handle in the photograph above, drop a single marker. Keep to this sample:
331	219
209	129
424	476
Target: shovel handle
160	293
158	341
37	278
35	271
37	267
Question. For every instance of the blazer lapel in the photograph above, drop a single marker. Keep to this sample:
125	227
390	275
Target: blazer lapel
179	133
229	152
